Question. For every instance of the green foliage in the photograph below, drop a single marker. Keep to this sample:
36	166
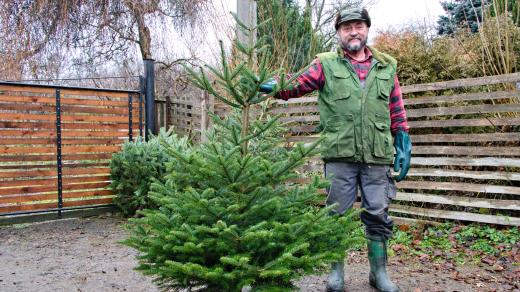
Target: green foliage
509	7
231	215
467	13
293	41
454	241
486	238
133	169
401	237
436	238
421	60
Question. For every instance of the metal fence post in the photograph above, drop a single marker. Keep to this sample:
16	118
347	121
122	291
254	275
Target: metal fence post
58	152
150	97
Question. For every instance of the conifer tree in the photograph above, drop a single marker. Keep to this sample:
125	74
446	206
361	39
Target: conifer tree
232	215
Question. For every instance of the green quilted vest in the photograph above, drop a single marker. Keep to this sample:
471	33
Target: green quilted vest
356	120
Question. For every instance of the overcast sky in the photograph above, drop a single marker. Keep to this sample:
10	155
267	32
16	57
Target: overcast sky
394	14
397	14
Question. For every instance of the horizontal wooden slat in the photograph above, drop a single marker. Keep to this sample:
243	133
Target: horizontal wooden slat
484	175
91	170
85	194
304	139
64	133
295	109
440	138
101	93
303	129
488	80
300	119
65	118
89	202
455	215
65	150
306	99
465	187
27	88
24	107
27	207
53	205
98	110
11	195
53	181
65	90
459	201
15	124
52	172
464	123
462	97
28	198
467	150
52	157
485	161
29	173
459	110
70	141
9	97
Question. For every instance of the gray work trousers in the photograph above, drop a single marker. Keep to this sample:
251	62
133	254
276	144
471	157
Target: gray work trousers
377	191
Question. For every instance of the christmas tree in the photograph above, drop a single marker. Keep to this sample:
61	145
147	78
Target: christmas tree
231	215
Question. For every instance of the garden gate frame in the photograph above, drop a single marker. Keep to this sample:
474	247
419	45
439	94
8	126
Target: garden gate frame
56	143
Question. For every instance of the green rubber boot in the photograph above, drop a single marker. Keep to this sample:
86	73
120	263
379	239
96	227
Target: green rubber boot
377	257
336	281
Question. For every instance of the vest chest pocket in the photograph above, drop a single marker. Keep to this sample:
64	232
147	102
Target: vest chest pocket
341	85
382	140
384	85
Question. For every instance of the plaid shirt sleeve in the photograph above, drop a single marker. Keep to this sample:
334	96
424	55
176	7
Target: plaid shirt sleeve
310	80
397	111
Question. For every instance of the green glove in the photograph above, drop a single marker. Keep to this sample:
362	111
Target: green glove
403	149
268	86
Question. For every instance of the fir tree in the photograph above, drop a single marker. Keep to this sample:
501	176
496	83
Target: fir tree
232	215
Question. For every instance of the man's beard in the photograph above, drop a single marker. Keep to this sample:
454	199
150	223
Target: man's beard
354	48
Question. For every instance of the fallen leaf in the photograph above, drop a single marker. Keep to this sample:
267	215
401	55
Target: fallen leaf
498	267
404	227
456	229
424	257
488	260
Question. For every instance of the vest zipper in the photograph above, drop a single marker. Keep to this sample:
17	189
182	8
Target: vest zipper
363	101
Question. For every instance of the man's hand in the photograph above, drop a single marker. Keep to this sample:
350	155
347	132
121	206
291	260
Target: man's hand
403	149
268	86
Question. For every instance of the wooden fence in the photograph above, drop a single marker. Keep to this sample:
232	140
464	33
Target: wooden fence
56	144
466	149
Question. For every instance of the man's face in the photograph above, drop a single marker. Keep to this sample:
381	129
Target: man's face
353	35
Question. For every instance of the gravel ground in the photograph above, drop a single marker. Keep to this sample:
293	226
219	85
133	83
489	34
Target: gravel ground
84	255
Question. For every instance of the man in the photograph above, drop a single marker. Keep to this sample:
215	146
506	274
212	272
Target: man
361	112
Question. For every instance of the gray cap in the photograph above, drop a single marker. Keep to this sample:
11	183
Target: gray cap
352	14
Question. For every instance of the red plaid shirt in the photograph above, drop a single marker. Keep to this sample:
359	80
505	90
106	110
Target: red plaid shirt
314	79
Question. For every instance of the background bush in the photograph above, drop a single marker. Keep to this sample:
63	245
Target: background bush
137	165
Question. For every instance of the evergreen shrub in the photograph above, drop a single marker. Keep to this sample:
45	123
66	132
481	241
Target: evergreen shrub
133	169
